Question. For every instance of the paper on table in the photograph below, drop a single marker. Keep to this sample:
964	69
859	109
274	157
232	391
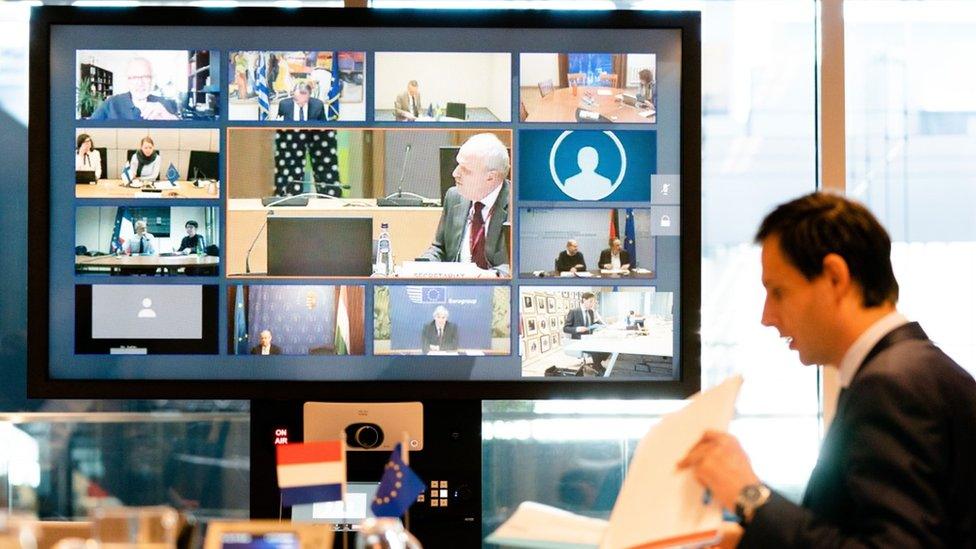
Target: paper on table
659	505
540	526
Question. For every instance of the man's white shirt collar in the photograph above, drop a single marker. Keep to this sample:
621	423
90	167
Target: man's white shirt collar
857	352
489	202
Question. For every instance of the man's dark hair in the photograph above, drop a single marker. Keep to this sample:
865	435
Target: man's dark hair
193	223
818	224
587	295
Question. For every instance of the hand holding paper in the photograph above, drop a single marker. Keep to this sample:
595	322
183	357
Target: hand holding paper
719	463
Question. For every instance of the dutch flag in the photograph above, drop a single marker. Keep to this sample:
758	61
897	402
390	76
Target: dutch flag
312	472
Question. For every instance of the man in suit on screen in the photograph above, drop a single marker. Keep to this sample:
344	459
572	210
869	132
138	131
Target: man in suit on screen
439	334
264	346
896	467
407	106
301	106
476	209
585	320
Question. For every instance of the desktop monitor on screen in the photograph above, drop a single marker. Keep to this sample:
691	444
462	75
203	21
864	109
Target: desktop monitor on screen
564	242
320	246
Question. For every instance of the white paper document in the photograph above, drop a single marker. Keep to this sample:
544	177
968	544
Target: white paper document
658	505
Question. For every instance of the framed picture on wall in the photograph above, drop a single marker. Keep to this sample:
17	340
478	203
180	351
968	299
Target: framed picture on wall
532	347
554	337
545	344
528	303
530	328
550	304
552	322
565	294
543	325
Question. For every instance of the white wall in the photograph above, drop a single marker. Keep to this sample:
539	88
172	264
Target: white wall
636	62
538	67
476	79
174	145
169	66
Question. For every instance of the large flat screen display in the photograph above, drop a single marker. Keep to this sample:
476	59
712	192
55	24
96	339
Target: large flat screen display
364	203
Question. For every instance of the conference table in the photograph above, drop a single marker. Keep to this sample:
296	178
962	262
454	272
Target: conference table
114	188
657	342
411	229
145	264
562	104
642	274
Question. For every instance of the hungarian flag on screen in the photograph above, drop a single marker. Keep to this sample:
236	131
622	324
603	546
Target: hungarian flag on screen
312	472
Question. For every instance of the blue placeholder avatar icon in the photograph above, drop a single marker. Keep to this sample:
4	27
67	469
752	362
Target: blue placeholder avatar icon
586	165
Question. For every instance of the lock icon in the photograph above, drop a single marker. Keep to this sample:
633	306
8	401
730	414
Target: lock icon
665	220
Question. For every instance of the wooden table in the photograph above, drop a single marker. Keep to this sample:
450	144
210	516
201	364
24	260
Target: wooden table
113	188
411	229
596	273
145	264
561	105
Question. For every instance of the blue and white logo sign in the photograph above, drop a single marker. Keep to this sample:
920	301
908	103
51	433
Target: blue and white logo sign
586	165
588	184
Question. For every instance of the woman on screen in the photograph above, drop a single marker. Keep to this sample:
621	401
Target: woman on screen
87	159
144	164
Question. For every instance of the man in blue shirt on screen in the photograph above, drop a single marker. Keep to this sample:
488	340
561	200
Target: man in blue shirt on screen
476	209
138	103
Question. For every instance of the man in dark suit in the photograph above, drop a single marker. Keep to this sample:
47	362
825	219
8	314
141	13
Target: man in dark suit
897	464
476	209
582	320
439	334
301	106
265	347
615	257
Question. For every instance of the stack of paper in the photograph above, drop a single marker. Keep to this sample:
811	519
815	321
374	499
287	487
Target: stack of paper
658	505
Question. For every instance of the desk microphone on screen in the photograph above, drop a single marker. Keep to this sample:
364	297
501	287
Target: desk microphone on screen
400	198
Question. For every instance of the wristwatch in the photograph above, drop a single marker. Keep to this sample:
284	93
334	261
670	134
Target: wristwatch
751	498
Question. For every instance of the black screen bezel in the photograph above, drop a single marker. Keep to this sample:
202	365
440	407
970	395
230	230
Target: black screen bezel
42	385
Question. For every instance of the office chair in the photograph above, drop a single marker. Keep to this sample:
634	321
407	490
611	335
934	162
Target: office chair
457	110
103	153
609	80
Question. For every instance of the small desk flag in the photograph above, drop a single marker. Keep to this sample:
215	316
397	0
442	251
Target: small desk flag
398	488
312	472
127	174
172	174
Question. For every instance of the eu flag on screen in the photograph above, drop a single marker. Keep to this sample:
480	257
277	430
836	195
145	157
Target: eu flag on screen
427	294
398	488
335	89
172	174
630	237
240	322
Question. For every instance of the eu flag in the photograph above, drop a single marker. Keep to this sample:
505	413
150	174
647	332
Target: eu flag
335	89
630	238
172	174
398	488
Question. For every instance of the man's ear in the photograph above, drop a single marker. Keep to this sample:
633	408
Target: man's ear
837	273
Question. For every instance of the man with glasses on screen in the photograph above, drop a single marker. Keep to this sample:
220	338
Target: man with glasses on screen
476	209
897	464
138	103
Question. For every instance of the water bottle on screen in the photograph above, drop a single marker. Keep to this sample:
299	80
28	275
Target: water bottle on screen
384	251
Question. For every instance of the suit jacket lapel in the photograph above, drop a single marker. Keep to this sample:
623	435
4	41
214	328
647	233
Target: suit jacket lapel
460	216
498	218
907	332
